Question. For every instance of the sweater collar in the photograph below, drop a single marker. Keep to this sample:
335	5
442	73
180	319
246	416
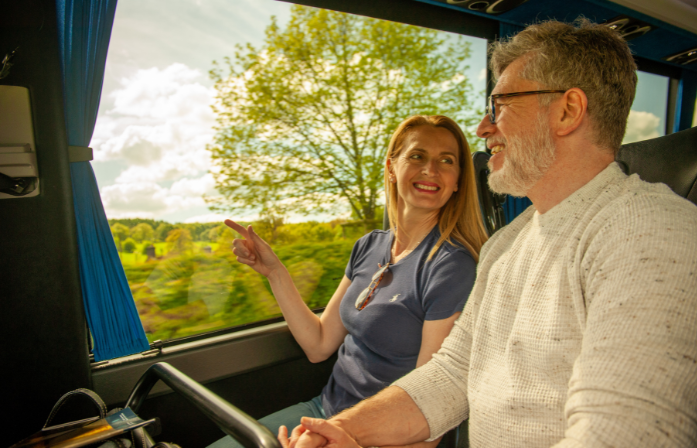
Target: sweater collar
582	198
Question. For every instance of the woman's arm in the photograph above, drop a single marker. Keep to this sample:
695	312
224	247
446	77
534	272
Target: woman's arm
318	337
432	336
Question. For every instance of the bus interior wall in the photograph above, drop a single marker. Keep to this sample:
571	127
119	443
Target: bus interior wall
42	324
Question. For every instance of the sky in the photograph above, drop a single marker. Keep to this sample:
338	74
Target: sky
155	116
155	119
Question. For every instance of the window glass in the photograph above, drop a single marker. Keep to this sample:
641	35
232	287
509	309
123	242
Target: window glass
647	118
286	131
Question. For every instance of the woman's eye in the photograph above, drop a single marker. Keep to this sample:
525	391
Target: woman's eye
450	161
415	156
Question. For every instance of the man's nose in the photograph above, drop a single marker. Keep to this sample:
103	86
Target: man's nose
485	129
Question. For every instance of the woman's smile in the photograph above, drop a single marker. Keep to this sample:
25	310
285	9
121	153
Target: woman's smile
426	187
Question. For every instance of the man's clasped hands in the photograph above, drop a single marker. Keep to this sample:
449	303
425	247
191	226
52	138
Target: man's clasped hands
314	433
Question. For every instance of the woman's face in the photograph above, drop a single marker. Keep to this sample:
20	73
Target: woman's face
427	170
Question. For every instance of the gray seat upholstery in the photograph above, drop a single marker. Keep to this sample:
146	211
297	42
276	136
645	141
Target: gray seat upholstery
671	159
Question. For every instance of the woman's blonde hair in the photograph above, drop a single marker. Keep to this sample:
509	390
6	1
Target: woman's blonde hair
460	217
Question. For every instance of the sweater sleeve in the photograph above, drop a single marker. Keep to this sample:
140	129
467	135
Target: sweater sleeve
635	381
439	387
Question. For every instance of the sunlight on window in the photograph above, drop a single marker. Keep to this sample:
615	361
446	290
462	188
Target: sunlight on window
286	130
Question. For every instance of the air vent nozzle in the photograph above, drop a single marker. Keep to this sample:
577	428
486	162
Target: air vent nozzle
684	57
628	27
487	6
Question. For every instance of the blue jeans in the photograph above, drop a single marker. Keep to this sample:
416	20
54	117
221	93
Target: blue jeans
288	417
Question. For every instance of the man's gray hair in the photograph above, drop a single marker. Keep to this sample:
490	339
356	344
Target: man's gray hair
589	56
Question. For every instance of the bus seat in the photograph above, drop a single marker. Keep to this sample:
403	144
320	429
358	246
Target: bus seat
491	204
671	159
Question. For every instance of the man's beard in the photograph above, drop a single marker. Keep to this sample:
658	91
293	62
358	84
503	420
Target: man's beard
527	159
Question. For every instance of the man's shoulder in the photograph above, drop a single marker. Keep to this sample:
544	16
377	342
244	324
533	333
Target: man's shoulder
634	199
638	210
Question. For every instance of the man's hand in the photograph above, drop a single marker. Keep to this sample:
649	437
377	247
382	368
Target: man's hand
316	433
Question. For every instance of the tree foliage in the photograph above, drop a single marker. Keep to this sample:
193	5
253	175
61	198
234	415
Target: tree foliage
306	119
129	245
142	231
120	232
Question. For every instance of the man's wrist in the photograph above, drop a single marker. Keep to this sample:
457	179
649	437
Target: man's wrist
344	423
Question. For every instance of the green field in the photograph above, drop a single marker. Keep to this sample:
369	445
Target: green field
199	286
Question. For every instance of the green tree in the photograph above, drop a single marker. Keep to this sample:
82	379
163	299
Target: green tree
179	241
142	232
129	246
306	118
162	231
121	232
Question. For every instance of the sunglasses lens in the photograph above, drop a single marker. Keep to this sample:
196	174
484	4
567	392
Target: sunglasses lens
364	296
361	298
379	272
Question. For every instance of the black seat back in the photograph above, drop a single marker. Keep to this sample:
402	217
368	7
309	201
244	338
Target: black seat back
671	159
491	204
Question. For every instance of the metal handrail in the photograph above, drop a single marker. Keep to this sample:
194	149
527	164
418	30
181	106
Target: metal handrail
231	420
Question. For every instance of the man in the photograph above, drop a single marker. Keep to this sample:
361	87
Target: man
581	329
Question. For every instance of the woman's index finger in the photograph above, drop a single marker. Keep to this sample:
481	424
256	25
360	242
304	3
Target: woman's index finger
237	228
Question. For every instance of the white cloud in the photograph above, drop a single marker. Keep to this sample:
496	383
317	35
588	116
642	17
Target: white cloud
150	200
641	126
159	126
161	121
170	93
482	74
194	187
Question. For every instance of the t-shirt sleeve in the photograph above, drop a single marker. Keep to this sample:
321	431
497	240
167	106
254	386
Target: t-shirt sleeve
357	252
449	285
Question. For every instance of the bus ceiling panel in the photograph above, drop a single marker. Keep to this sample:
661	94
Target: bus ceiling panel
413	13
661	43
681	14
663	40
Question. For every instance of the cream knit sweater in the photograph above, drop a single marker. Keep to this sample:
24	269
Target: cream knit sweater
581	329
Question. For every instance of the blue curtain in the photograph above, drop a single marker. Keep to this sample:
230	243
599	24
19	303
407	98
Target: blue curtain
84	28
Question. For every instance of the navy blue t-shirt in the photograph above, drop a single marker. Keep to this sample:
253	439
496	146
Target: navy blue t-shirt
385	337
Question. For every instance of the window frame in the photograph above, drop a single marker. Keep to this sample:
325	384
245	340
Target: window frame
409	12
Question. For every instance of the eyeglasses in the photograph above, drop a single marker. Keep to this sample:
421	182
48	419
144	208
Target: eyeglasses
367	293
491	107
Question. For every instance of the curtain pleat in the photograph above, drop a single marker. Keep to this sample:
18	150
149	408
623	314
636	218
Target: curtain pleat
84	32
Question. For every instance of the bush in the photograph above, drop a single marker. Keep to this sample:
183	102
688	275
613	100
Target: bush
129	245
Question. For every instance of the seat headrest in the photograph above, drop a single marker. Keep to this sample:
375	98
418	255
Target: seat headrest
489	203
671	159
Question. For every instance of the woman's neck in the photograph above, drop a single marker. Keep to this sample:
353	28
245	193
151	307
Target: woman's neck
412	227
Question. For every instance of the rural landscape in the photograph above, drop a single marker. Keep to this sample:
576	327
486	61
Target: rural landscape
302	128
185	279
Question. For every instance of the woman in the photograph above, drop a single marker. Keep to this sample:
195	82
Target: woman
403	288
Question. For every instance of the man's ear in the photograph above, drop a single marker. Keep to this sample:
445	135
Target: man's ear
572	112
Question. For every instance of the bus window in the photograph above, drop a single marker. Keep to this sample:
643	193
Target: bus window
647	118
287	131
